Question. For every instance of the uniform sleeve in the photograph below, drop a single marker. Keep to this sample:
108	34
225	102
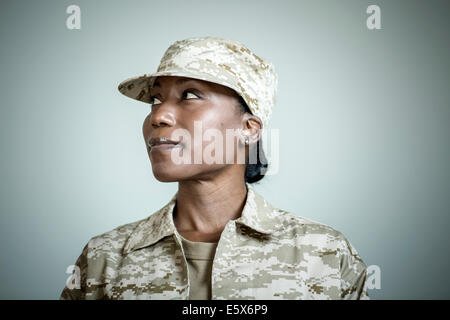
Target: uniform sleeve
78	292
353	274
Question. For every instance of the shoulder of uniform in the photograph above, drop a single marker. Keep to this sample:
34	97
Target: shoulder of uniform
115	239
316	233
309	228
290	218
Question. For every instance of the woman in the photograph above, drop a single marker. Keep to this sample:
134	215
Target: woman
217	238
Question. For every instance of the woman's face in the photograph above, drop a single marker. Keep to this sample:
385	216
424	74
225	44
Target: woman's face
196	114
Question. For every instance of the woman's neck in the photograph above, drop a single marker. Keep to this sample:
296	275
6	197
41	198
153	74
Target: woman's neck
204	207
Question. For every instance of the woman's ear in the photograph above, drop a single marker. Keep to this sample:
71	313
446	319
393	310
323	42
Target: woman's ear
252	127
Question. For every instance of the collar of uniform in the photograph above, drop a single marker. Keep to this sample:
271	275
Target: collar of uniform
149	231
257	214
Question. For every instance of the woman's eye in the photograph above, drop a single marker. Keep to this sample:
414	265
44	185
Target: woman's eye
153	100
189	94
185	95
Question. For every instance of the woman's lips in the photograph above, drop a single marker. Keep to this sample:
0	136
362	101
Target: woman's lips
163	143
164	146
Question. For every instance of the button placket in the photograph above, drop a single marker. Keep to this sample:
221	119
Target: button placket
185	265
224	237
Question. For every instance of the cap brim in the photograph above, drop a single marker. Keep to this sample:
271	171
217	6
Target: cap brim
138	88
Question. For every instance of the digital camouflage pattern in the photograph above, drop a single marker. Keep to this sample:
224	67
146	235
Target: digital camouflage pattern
223	61
267	253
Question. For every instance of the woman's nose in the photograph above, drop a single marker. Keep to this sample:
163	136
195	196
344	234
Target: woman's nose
163	115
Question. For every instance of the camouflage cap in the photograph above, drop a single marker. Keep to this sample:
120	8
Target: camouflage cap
223	61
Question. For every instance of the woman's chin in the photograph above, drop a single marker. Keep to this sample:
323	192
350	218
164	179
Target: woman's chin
166	175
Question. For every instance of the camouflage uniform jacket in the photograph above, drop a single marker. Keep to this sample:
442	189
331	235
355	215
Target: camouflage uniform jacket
267	253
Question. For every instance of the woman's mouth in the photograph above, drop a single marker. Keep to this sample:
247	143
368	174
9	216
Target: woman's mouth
163	143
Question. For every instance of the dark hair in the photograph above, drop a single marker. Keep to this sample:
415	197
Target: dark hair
253	171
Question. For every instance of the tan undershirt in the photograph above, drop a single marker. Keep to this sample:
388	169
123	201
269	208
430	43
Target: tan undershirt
199	256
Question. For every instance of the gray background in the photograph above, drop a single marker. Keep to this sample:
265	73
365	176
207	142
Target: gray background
363	117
